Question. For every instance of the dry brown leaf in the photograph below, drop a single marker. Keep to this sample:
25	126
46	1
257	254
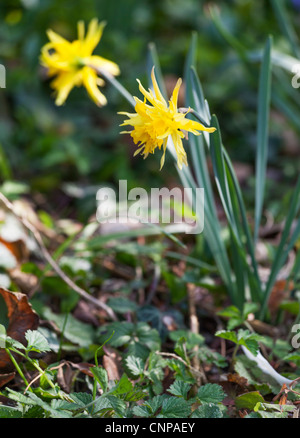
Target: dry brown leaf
21	318
25	209
236	378
280	292
5	378
26	282
109	363
66	372
86	312
112	362
65	377
17	248
263	328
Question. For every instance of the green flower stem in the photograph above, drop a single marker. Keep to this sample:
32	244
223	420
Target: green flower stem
233	358
115	83
62	336
17	367
41	371
195	114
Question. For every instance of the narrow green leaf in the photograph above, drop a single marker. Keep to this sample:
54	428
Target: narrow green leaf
286	25
263	110
283	247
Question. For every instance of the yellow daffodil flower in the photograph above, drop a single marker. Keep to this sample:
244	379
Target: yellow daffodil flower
153	124
73	64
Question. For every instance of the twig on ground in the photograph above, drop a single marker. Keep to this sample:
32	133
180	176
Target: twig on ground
194	326
54	265
196	372
154	284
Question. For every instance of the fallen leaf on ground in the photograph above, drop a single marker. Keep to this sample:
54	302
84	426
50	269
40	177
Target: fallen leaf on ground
21	318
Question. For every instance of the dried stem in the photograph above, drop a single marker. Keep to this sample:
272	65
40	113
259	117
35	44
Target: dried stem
194	326
196	372
53	264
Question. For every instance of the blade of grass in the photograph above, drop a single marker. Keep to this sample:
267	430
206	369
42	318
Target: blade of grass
245	223
264	96
195	100
212	227
283	247
287	108
286	25
231	198
149	230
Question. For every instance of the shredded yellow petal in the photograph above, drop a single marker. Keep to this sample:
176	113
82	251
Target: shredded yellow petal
73	63
155	121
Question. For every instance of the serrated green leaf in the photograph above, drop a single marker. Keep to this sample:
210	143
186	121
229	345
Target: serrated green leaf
155	403
211	393
174	407
135	365
119	406
81	398
207	411
229	335
9	412
13	343
142	411
36	341
180	388
100	375
230	312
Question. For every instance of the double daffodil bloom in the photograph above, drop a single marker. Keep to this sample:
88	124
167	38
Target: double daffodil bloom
154	123
73	64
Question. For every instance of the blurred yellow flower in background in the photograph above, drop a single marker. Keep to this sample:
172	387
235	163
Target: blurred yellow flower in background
73	64
153	124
